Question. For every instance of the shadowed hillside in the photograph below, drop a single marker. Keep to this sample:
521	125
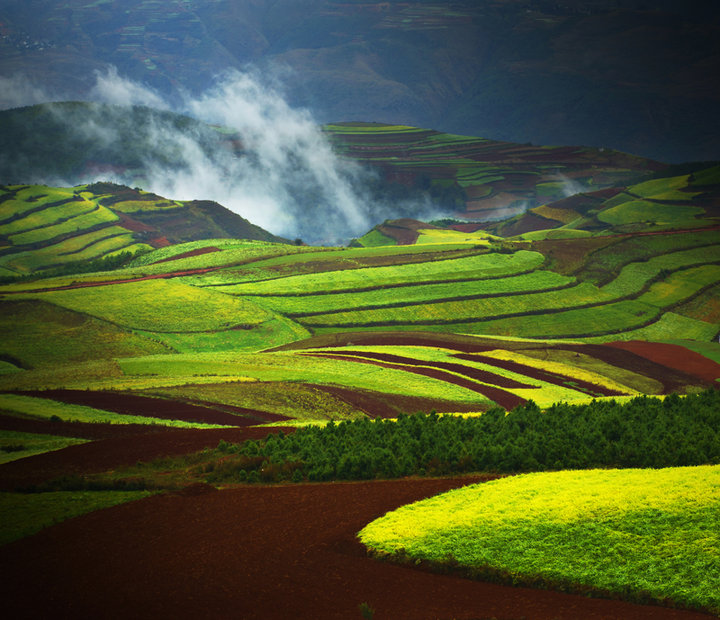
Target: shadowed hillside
632	76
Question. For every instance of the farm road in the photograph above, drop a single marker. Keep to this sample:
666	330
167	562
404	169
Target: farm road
286	551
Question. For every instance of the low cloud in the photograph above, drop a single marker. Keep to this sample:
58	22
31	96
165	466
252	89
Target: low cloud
17	91
112	88
251	152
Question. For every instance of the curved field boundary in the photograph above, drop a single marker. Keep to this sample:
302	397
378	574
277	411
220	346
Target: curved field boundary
131	404
455	342
90	207
384	405
84	430
552	310
491	264
359	262
191	253
672	356
505	399
45	205
261	552
672	380
378	287
120	450
542	375
436	300
476	374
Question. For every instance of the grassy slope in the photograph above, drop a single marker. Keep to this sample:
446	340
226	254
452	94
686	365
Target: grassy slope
646	534
246	296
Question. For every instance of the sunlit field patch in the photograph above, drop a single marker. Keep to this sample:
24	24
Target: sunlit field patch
641	533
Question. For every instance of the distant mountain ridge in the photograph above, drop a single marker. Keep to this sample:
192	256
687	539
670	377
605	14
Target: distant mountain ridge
633	76
420	170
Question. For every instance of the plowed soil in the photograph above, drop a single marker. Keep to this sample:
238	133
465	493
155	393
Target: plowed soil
132	404
673	356
508	400
259	552
120	451
540	374
672	380
384	405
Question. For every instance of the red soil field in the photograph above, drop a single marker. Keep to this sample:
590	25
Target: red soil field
466	371
673	356
121	451
671	379
382	405
505	399
132	404
286	551
542	375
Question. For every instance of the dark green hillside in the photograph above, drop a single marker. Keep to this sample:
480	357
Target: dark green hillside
467	177
480	179
633	75
71	140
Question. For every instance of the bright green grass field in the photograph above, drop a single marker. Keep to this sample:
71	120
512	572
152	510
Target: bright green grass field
636	532
15	445
160	305
478	266
45	408
23	514
642	211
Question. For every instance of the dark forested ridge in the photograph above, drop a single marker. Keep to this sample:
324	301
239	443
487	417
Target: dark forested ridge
633	76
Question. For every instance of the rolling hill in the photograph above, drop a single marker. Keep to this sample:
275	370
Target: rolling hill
627	75
415	170
150	345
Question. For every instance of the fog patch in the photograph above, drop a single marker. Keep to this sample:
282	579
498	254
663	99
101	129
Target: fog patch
238	143
18	91
111	88
571	187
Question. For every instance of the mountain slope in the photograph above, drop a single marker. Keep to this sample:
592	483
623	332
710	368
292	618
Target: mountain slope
625	75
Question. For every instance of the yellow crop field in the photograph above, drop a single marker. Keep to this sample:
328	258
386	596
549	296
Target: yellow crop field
651	532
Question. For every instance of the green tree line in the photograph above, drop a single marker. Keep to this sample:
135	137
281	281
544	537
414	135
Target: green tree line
642	432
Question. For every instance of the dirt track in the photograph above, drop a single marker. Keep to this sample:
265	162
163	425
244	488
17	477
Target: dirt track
258	552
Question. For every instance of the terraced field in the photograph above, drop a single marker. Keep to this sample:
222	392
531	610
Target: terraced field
112	337
478	178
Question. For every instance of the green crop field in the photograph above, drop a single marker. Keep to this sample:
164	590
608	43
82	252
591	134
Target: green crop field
159	305
438	312
414	294
24	514
473	267
653	214
15	445
644	533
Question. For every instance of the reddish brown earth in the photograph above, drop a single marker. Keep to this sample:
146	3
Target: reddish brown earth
120	451
671	379
541	375
132	404
673	356
507	400
466	371
267	552
383	405
197	252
